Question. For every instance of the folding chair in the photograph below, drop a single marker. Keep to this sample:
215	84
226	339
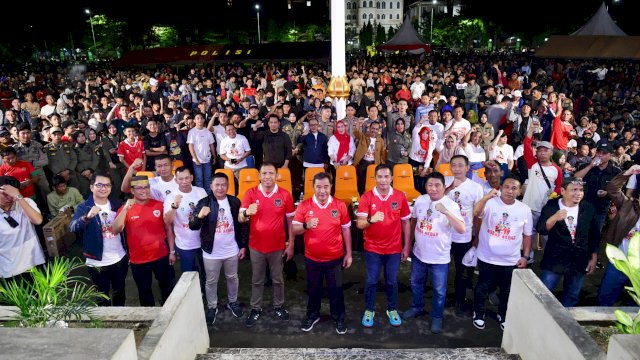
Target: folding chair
247	179
403	181
309	173
346	184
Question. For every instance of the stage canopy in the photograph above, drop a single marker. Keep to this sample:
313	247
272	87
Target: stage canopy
406	39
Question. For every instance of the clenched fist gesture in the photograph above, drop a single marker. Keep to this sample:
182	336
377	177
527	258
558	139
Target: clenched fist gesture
312	223
177	200
252	209
377	217
204	212
95	210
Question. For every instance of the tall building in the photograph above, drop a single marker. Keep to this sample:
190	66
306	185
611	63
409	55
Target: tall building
384	12
422	10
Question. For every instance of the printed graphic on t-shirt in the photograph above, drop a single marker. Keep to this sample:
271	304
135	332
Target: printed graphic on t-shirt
502	229
457	200
192	208
370	151
106	226
425	226
223	225
572	224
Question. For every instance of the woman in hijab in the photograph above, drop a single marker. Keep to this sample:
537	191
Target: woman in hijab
341	147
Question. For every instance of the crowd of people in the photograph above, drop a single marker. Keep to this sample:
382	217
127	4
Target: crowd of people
512	160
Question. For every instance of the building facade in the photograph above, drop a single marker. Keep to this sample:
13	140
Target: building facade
388	13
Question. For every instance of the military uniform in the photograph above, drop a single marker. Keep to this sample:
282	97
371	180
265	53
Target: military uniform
35	153
62	157
408	121
87	160
109	150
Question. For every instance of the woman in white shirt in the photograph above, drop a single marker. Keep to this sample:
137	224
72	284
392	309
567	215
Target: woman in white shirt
502	153
475	151
341	146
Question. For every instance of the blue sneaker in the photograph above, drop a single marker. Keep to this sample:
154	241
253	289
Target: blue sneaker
394	318
367	318
412	313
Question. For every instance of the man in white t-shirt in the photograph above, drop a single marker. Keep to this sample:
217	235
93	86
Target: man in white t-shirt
506	228
202	149
502	152
435	219
179	208
234	150
162	185
224	242
106	258
465	193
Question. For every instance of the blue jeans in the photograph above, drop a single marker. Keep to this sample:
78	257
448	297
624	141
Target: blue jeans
613	282
374	262
191	260
571	286
419	272
599	220
202	174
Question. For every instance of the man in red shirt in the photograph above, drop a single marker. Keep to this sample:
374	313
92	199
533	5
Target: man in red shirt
325	223
23	171
131	148
384	216
150	241
265	208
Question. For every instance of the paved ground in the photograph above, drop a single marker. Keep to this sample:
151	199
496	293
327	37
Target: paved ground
270	332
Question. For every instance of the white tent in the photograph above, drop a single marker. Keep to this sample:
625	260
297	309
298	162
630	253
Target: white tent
600	24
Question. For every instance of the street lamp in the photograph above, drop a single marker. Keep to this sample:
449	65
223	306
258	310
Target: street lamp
88	12
258	13
432	6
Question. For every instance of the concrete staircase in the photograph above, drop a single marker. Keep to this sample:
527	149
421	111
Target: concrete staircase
355	354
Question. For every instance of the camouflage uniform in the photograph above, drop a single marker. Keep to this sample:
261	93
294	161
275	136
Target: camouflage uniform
110	143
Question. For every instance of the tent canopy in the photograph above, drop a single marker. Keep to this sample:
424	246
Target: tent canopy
599	38
406	39
600	24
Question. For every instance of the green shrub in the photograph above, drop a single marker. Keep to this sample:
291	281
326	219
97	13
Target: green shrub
53	295
630	266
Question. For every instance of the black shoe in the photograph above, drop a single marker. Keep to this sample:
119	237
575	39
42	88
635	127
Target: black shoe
210	316
308	323
235	309
282	313
341	328
253	317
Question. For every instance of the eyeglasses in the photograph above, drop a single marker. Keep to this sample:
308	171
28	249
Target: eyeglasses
102	186
140	187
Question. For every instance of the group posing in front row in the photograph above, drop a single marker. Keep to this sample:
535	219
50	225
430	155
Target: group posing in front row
167	216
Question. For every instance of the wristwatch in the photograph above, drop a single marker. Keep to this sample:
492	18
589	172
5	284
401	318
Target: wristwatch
369	220
304	226
244	213
19	197
174	207
527	257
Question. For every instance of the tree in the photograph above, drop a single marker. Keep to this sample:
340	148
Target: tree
366	35
381	35
392	31
164	36
110	35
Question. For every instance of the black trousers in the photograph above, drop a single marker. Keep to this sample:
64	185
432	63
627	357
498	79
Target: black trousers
463	274
491	276
317	272
164	273
110	279
361	170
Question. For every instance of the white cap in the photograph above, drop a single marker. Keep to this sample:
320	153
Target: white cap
572	143
153	82
517	93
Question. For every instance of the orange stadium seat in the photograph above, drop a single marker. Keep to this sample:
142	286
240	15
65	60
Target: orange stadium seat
148	174
346	184
283	179
309	173
247	179
371	177
403	181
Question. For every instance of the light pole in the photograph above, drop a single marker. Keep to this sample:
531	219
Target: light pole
88	12
432	6
258	13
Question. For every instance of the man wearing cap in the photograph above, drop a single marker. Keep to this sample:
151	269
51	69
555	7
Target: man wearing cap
33	152
596	176
150	242
545	178
62	157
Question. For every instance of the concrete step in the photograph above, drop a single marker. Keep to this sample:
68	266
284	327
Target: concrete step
355	354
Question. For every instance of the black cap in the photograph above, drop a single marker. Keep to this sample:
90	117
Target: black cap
65	124
607	148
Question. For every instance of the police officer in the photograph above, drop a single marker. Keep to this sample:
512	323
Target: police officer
62	157
33	152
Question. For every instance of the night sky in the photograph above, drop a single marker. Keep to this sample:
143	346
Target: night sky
61	20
